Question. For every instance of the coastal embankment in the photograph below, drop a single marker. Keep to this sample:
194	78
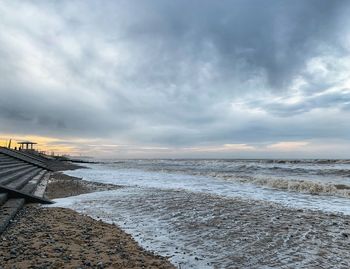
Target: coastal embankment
42	237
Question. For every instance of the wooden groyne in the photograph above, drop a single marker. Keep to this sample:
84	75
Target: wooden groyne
20	174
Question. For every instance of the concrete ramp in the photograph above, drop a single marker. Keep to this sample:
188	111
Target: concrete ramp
19	177
13	193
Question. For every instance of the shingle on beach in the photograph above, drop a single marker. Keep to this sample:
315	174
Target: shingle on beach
61	238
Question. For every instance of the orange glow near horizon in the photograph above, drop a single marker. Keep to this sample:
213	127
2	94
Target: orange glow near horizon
47	144
104	148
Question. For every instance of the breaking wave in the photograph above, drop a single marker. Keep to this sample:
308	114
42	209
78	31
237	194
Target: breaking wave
302	186
317	177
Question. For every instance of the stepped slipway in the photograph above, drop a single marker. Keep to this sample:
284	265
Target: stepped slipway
20	175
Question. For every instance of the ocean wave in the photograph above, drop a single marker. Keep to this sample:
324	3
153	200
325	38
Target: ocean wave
306	161
329	177
302	186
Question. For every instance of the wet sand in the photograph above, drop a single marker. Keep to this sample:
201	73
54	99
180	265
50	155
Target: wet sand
61	185
206	231
195	230
61	238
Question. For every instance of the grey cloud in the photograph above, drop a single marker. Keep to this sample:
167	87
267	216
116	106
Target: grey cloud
339	99
167	72
277	37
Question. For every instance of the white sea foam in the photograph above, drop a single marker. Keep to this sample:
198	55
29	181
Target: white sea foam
302	186
198	230
330	177
217	186
212	219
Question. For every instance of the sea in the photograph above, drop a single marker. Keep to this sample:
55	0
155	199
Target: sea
218	213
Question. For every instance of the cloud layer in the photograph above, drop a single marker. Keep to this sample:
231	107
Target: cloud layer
177	74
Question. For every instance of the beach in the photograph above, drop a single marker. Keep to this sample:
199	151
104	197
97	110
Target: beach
210	134
162	214
42	237
186	210
208	231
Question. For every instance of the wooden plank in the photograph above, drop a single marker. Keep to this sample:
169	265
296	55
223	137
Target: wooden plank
19	194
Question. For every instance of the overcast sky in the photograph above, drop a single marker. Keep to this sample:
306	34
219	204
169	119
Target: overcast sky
164	78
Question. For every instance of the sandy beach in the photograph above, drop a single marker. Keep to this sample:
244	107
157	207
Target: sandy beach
210	134
207	231
122	225
61	238
61	185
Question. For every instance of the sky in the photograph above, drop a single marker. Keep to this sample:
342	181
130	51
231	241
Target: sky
177	79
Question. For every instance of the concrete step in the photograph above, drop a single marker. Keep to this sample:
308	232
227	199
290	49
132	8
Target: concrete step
23	180
5	158
14	176
11	170
8	211
17	155
20	174
30	187
11	200
32	156
9	162
29	198
16	164
3	198
3	155
40	188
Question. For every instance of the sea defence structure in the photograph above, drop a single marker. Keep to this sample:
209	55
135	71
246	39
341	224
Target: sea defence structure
23	179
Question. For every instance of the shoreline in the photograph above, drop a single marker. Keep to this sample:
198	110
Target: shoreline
205	229
61	185
194	230
64	238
